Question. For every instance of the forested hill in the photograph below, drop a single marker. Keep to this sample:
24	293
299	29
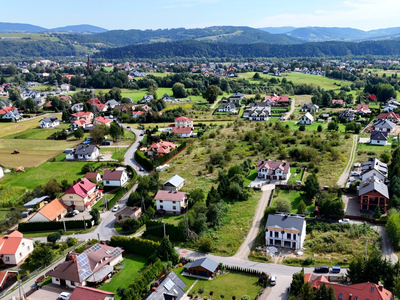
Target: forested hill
190	48
228	34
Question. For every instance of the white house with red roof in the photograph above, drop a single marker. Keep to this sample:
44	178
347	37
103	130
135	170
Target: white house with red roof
171	202
80	123
390	116
81	115
274	100
137	113
273	170
14	248
88	293
183	122
101	107
161	148
94	101
363	109
102	120
183	127
53	211
115	178
82	195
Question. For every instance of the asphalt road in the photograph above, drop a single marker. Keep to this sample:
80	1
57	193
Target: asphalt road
130	153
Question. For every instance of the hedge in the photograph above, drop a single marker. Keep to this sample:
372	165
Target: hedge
157	229
141	283
55	225
143	160
135	245
121	192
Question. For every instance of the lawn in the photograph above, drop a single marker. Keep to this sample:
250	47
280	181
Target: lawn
11	128
134	264
36	133
171	219
252	175
295	176
32	152
3	214
186	279
230	285
294	197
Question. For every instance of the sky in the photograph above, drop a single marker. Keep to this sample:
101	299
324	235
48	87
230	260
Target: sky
156	14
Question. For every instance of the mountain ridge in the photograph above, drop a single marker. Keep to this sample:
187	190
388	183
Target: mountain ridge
7	27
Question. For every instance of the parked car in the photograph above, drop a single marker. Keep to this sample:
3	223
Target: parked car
115	208
344	221
335	269
321	269
273	280
141	169
70	214
64	296
76	212
128	127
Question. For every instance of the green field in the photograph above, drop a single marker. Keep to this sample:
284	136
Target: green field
294	197
134	264
36	133
20	36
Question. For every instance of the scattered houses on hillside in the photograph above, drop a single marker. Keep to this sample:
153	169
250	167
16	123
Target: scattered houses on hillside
49	122
227	107
90	267
82	195
14	248
306	119
171	202
84	152
311	108
379	138
285	230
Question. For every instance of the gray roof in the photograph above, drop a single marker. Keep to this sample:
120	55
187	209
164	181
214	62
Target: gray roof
226	105
175	180
112	102
206	263
310	106
49	119
373	184
375	164
379	136
35	201
170	288
382	123
85	149
284	220
237	95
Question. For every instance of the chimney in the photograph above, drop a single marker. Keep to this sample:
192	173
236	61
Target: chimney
380	286
350	297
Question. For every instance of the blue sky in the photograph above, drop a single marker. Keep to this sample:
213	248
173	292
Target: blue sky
155	14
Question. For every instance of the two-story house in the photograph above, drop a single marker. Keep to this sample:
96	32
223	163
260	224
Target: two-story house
237	98
273	170
161	148
171	202
227	107
14	248
379	138
374	167
310	108
81	115
115	178
183	122
384	126
307	119
285	230
373	192
102	120
49	122
82	195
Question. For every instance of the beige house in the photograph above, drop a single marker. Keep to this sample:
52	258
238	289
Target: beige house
14	248
82	195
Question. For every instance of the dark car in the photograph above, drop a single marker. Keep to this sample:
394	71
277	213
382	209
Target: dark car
141	169
141	134
321	269
70	214
128	127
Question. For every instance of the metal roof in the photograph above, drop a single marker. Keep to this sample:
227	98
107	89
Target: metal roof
175	180
35	201
373	184
206	263
171	287
379	136
286	221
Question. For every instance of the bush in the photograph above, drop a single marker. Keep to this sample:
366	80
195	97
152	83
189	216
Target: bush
205	244
201	290
308	261
72	241
53	237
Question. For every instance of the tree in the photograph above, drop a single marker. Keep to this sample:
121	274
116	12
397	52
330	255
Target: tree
14	93
212	196
53	237
283	205
377	213
98	132
319	129
329	205
196	196
167	252
42	255
116	131
297	283
385	157
385	91
52	187
301	208
211	94
333	126
78	133
393	228
95	215
214	214
311	188
179	90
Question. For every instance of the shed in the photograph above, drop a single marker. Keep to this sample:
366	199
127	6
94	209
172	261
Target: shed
39	202
203	267
174	183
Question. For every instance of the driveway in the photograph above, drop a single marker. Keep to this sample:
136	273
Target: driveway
130	153
351	206
280	290
288	114
48	292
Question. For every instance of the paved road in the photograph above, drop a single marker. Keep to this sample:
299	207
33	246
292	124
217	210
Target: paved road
129	155
244	250
287	116
343	178
280	290
387	247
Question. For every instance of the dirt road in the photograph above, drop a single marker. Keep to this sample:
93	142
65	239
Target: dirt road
343	178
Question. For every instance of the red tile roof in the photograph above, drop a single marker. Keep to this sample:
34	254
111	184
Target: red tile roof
183	119
102	120
275	99
82	114
182	130
81	188
9	244
334	101
162	147
94	101
88	293
52	210
91	175
372	97
6	109
386	115
170	196
137	112
82	122
101	106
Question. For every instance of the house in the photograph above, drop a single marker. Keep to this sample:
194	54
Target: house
170	287
88	293
77	107
285	230
275	100
53	211
363	109
337	102
90	267
81	123
390	116
101	107
115	178
227	107
379	138
374	167
137	114
146	99
14	115
183	131
166	98
347	115
383	125
259	113
94	101
112	103
175	183
203	267
128	213
170	202
81	195
7	279
14	248
49	122
358	291
307	119
93	176
161	148
84	152
371	97
237	98
373	192
65	87
183	122
102	120
273	170
310	108
81	115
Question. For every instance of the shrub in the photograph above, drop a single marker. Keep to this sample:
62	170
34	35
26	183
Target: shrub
308	261
205	244
72	241
201	290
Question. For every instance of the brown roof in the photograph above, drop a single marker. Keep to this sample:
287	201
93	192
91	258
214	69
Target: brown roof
272	165
112	175
88	293
52	210
91	175
170	196
182	130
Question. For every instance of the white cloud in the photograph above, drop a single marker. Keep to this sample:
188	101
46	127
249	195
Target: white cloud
362	14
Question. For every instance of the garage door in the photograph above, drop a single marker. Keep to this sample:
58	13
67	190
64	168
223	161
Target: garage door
203	273
194	272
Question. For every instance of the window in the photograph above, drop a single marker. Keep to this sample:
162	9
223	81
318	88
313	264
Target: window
340	296
161	206
276	234
372	288
355	298
57	279
7	258
173	202
107	182
72	202
70	196
161	201
23	244
271	233
173	207
289	236
20	254
29	248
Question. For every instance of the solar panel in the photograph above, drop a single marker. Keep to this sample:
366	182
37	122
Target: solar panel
169	285
96	247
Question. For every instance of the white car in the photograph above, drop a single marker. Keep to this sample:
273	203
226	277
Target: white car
115	208
344	221
64	296
76	212
273	280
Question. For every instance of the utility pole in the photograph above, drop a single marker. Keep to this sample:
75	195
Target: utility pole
164	227
187	227
366	249
65	227
98	237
